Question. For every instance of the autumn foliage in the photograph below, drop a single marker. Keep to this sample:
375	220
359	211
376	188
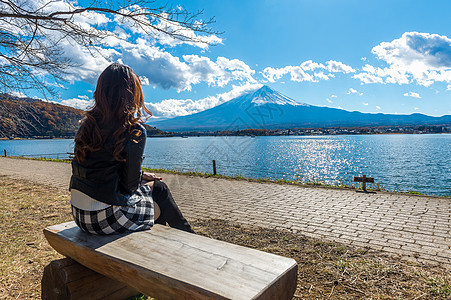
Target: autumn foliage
27	117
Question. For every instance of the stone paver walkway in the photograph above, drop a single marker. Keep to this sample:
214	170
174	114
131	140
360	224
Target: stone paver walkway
413	226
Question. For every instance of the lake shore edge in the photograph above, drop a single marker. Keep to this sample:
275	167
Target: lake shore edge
315	184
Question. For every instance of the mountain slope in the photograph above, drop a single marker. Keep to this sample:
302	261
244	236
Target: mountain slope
27	117
268	109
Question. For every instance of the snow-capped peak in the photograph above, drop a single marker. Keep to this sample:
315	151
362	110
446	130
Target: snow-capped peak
266	95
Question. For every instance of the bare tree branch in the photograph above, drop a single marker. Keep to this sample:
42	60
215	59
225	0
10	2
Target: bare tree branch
32	32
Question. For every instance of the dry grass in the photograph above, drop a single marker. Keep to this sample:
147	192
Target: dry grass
337	271
326	270
24	211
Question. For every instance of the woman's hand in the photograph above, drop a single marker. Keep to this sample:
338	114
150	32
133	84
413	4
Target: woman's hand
150	177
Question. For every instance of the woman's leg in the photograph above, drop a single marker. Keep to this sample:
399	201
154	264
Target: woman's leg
156	207
170	212
156	211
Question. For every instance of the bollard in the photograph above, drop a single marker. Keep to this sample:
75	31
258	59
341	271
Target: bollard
363	180
214	167
5	153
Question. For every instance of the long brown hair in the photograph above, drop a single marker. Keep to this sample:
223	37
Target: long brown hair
118	102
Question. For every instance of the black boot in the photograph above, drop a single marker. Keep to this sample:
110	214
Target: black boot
170	212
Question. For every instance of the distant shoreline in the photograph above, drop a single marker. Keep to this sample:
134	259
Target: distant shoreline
253	132
235	135
340	134
35	138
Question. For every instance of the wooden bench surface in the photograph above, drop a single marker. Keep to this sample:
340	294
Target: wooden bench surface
167	263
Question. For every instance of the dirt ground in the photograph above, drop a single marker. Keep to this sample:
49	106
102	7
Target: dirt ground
326	270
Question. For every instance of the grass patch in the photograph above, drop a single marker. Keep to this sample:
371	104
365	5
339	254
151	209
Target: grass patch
440	286
413	193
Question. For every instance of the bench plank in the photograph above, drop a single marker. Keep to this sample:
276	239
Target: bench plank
167	263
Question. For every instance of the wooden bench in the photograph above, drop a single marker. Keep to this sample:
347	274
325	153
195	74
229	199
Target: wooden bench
167	263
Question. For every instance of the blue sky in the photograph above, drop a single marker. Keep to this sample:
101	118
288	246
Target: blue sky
370	56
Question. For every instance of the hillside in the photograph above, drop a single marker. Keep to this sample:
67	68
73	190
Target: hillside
27	117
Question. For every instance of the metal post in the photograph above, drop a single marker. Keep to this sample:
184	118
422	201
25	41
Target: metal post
364	182
214	167
5	153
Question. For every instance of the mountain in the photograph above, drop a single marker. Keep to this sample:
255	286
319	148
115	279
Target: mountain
268	109
28	117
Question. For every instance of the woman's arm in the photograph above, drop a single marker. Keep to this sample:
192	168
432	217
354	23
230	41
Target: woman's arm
150	177
131	172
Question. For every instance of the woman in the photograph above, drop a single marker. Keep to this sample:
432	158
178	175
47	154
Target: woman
109	192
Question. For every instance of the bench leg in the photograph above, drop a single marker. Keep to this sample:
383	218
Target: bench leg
67	279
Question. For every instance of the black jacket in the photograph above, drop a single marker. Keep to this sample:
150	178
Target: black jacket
107	180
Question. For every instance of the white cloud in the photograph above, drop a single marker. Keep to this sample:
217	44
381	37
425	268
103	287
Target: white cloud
368	78
353	91
273	74
309	65
412	94
171	108
88	66
416	108
365	103
160	68
448	88
18	94
372	74
378	107
421	58
416	51
322	76
328	100
237	69
338	67
144	80
201	41
217	73
363	58
296	72
304	72
333	96
82	102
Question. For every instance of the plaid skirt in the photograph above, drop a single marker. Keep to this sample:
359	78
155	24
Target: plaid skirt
118	219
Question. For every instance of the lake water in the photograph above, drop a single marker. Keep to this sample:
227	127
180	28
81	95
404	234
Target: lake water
397	162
